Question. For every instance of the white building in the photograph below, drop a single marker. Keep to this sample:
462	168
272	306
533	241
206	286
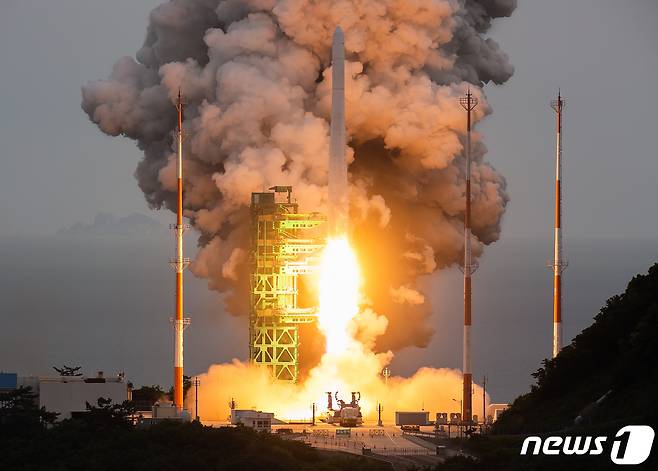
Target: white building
258	420
166	410
494	410
69	395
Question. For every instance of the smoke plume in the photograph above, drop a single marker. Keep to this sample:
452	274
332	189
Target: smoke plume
428	389
256	78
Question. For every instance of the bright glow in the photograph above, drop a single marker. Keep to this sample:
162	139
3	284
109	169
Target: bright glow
349	363
340	281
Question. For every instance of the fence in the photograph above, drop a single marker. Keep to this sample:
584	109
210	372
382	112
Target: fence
328	442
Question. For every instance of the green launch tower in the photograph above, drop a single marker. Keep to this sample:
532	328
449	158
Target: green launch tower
285	245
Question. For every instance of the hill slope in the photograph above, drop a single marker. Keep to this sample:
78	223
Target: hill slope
617	355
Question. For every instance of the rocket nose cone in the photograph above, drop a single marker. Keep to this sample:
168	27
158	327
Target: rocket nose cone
338	35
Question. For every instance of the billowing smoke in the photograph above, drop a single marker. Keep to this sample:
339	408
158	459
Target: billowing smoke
428	389
256	78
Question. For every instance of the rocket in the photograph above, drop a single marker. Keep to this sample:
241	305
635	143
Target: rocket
558	264
337	182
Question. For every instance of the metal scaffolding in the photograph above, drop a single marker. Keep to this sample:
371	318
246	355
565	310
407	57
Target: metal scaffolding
285	244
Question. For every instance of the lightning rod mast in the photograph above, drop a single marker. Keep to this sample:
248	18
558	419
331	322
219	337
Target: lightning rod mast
469	102
179	263
558	264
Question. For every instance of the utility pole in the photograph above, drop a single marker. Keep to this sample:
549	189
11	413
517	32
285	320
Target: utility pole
313	410
484	400
461	407
196	382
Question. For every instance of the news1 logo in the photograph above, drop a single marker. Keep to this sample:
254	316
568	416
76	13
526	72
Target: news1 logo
631	445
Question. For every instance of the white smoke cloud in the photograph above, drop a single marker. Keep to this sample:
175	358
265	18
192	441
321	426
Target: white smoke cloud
406	295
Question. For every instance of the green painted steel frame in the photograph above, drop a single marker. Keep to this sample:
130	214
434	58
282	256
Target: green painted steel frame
282	249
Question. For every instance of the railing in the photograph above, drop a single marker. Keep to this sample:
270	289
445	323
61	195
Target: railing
403	451
298	421
359	447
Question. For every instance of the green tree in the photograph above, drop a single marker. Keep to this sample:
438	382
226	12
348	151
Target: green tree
144	397
108	416
19	410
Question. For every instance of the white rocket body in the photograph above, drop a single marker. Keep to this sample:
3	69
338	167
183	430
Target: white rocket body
338	187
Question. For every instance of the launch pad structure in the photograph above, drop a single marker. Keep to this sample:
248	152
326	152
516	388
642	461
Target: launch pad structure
285	245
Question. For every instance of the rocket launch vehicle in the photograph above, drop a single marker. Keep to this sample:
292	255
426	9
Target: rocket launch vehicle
338	206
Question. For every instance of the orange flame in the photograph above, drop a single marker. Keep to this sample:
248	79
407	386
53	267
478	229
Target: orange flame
340	282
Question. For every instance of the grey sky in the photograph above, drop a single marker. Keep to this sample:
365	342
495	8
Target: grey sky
57	169
602	53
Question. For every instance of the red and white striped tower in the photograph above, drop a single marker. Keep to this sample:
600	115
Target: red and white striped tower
558	264
469	103
179	263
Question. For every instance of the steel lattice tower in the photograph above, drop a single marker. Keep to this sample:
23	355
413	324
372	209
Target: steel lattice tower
284	245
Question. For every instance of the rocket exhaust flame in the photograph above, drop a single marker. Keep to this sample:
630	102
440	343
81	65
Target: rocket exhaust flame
339	293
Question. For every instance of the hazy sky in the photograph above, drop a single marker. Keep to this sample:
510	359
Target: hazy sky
58	168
